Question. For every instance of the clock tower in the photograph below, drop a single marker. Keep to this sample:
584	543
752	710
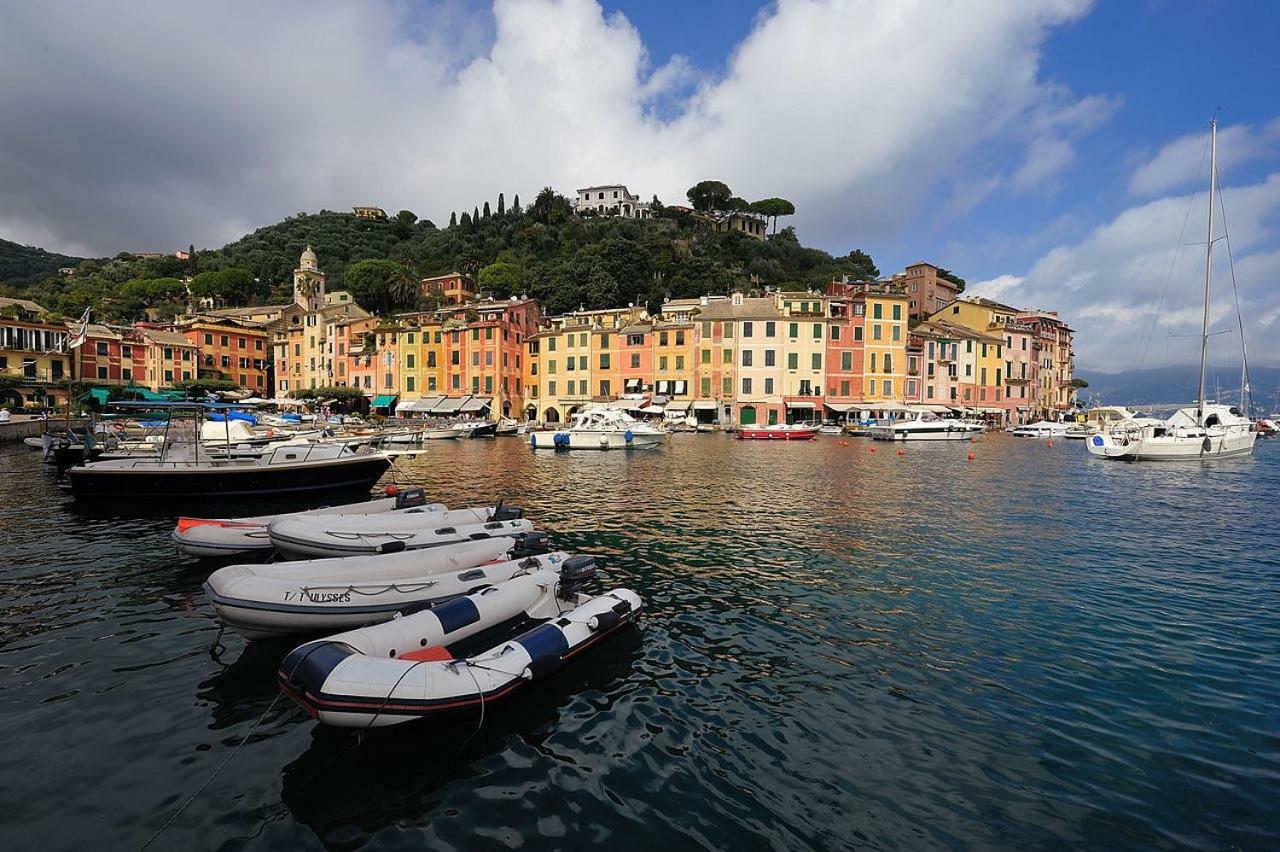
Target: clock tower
308	283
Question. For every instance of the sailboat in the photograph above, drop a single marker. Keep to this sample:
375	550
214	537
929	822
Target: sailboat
1206	431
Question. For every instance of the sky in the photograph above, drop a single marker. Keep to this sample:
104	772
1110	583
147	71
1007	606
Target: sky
1052	153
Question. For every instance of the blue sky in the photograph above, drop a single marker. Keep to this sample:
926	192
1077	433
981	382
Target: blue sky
1046	151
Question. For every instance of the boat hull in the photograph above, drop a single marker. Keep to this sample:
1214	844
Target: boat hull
152	482
748	434
930	434
1172	449
571	440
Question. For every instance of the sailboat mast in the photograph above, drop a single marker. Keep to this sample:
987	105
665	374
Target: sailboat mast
1208	268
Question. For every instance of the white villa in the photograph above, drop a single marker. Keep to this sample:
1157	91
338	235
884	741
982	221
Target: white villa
611	200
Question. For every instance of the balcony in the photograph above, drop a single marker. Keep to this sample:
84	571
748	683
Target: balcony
35	377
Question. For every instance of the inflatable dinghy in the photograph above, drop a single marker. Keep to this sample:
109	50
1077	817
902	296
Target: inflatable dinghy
300	538
402	670
326	595
230	536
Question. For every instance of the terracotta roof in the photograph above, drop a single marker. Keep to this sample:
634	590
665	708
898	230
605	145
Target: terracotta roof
25	304
167	337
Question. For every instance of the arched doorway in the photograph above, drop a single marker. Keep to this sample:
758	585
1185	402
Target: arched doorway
506	408
747	416
551	416
531	413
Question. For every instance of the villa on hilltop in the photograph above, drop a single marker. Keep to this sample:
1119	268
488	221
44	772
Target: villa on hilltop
611	200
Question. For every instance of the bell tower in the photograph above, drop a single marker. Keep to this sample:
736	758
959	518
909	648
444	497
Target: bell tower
308	283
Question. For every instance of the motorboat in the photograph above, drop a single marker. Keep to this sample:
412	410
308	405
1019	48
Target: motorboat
325	595
830	429
299	538
407	668
231	536
1191	434
1041	429
778	432
923	425
506	426
477	428
600	429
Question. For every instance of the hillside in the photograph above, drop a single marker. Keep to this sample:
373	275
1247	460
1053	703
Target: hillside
544	250
1178	384
21	264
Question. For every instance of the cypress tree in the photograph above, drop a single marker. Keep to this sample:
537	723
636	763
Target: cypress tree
502	207
475	215
453	219
486	210
466	219
515	204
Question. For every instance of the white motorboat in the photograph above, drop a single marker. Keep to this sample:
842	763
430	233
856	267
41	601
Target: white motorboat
1205	431
830	429
507	426
922	425
299	538
231	536
405	669
1042	429
264	601
599	429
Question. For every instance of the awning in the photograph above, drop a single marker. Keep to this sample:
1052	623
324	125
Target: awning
704	405
417	405
935	408
841	407
885	406
651	409
801	405
100	394
677	407
383	401
448	405
475	403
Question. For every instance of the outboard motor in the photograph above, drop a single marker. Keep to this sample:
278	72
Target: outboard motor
411	497
574	574
506	513
532	543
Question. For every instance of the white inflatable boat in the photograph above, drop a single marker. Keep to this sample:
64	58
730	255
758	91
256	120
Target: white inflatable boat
305	537
231	536
403	670
325	595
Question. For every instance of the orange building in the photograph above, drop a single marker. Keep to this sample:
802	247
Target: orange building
231	350
111	356
844	355
454	288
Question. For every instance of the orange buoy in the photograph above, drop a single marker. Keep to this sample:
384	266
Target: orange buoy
392	490
902	452
1051	443
843	443
871	449
970	456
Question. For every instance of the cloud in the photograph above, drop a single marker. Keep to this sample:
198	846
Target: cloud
1133	287
999	288
154	124
1185	160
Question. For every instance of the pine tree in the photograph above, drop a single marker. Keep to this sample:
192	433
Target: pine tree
502	208
475	215
515	204
486	210
453	219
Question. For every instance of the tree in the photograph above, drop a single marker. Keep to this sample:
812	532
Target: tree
953	278
206	386
515	204
475	216
381	286
234	285
453	219
737	205
402	225
786	235
708	195
549	206
772	208
466	219
502	279
486	210
502	207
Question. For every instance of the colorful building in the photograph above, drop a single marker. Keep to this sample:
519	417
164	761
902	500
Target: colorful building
110	355
170	358
35	354
453	289
230	349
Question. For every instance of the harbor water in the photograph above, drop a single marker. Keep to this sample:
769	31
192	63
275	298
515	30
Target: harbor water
841	648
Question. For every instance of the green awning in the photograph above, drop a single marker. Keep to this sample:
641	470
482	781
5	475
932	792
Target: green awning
99	394
386	400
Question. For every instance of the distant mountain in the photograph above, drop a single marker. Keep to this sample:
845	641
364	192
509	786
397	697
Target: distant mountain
20	264
1177	384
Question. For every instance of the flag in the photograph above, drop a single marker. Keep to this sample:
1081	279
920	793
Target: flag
77	339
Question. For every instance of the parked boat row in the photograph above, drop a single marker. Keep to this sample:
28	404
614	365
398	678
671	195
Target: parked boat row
416	587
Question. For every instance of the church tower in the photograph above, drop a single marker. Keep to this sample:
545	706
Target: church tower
308	283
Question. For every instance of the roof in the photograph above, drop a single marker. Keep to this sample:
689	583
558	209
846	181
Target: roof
757	307
990	303
25	304
167	337
94	329
603	186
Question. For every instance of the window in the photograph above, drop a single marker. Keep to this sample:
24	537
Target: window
551	388
835	332
635	340
635	362
488	359
551	367
770	328
663	338
888	388
846	363
408	361
727	386
793	361
746	387
897	332
768	387
242	343
408	384
208	339
873	362
102	347
551	346
679	338
817	360
706	356
662	363
747	328
728	330
706	328
817	331
604	361
876	332
168	354
897	312
431	359
728	356
257	344
102	372
488	384
582	362
582	341
168	375
888	363
770	358
857	333
746	358
488	333
225	341
877	311
679	362
126	351
455	358
126	373
793	330
844	388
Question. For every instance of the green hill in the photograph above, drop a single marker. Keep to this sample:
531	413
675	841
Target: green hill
544	251
21	264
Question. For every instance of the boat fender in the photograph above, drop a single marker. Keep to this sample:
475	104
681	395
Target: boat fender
389	547
1207	445
308	666
621	607
627	436
533	440
546	646
605	621
456	614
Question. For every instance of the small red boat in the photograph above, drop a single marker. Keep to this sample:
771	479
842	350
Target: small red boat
779	432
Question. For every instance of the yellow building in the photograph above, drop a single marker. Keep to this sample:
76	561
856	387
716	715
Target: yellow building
170	358
805	343
33	354
575	359
884	364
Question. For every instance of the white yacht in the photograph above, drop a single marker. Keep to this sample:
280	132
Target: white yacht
921	425
1204	431
1042	429
599	429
